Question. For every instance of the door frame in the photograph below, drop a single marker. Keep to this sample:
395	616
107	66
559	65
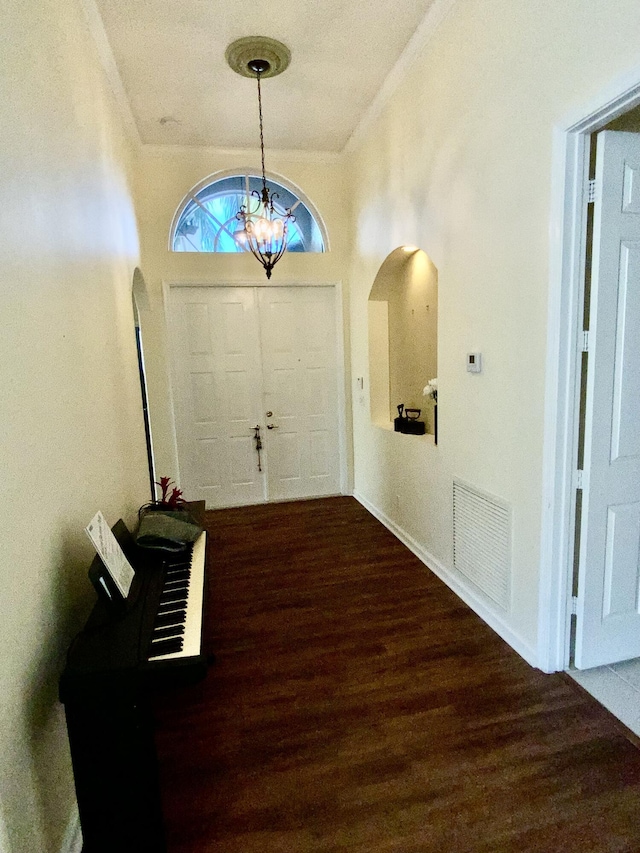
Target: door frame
567	243
346	487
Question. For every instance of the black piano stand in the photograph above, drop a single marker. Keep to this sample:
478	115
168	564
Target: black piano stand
116	774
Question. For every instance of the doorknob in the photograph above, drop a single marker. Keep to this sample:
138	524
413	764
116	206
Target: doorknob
269	414
272	426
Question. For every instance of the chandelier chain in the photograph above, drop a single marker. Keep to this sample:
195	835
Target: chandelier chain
264	179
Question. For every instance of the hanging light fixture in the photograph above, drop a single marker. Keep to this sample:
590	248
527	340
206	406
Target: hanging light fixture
263	227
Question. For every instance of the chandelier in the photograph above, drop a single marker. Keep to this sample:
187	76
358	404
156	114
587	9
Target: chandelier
263	228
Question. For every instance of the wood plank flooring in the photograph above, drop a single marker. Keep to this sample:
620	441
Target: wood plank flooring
357	705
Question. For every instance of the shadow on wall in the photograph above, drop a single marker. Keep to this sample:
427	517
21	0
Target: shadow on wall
403	333
36	779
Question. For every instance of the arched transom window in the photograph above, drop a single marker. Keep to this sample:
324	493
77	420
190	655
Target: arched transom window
208	220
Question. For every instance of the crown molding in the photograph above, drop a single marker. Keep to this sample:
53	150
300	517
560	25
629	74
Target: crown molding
248	154
108	62
437	13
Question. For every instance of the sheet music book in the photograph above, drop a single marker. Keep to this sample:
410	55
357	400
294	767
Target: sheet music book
110	553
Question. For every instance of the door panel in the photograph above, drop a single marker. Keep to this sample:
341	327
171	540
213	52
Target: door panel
216	389
320	461
626	385
621	560
300	385
608	617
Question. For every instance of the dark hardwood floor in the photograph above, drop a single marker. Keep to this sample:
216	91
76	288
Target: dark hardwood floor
356	704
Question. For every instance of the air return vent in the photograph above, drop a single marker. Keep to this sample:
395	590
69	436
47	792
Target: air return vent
482	541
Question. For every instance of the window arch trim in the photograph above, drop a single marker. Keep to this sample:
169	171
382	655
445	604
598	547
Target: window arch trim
214	177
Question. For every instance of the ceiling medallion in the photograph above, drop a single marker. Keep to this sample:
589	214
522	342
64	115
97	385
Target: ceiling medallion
241	52
263	229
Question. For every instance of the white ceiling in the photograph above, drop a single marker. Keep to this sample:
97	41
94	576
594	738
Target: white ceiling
170	58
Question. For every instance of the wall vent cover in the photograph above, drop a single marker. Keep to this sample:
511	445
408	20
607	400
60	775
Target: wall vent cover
482	541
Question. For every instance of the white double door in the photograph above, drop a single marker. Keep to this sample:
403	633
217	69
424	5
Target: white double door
246	357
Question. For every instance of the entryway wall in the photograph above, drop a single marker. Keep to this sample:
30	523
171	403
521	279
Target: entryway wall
466	174
166	175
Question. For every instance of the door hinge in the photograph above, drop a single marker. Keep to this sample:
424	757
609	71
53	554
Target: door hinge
591	191
579	479
574	605
585	341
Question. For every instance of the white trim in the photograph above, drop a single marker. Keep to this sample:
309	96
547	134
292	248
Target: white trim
253	171
621	95
344	384
228	281
110	68
417	44
341	362
455	583
249	154
566	275
72	840
169	381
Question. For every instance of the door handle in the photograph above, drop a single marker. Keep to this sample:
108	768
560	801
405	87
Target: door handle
272	426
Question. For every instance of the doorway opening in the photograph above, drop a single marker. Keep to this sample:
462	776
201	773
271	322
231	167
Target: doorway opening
571	382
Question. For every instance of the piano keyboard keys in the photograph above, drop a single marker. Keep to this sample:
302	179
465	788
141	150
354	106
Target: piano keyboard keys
173	577
178	623
167	633
174	617
173	595
178	583
166	647
181	604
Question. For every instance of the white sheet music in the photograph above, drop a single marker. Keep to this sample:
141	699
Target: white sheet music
110	552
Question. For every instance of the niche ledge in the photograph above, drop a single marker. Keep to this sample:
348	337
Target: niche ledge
388	427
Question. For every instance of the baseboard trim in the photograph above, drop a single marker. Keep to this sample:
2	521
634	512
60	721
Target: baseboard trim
72	841
456	584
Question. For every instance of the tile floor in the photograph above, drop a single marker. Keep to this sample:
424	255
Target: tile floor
617	687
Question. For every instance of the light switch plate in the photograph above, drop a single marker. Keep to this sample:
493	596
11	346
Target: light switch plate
474	362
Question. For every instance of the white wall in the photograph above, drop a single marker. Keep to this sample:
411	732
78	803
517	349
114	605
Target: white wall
72	433
459	164
167	175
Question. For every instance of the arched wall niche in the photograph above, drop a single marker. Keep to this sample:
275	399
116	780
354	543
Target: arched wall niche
403	334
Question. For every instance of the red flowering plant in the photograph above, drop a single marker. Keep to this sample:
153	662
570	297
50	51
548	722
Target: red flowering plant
170	500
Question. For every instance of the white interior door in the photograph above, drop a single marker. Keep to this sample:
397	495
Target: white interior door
239	354
608	614
216	393
300	391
